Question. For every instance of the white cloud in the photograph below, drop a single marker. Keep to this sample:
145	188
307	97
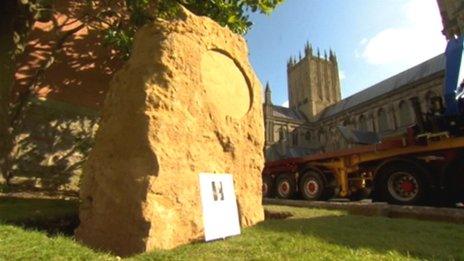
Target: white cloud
285	104
418	39
341	75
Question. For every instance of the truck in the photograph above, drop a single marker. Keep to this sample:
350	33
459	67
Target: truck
422	166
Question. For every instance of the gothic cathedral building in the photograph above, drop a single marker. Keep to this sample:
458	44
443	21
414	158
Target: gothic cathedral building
313	82
316	110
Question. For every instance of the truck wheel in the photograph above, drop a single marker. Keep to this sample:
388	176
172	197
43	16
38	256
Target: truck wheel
267	187
403	184
285	186
312	186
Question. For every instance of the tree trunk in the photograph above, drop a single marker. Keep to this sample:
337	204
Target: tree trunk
7	50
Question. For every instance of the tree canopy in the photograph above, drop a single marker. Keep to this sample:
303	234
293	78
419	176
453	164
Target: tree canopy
117	20
124	17
233	14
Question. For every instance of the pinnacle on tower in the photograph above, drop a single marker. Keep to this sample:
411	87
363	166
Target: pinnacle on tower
334	57
299	56
267	94
331	56
308	49
318	52
325	54
290	62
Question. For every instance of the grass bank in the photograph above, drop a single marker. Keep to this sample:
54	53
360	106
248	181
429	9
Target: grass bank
308	234
52	216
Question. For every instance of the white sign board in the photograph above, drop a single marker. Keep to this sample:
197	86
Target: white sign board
220	214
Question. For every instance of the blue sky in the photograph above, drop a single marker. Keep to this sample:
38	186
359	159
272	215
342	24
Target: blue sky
373	39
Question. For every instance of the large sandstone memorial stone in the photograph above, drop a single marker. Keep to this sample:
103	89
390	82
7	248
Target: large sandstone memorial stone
186	102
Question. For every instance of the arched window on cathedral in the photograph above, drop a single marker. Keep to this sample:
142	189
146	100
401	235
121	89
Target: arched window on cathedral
322	138
405	113
382	120
362	123
277	134
308	136
281	134
428	99
295	138
336	139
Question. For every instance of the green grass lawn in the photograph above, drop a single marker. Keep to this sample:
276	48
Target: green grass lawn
310	234
19	210
49	215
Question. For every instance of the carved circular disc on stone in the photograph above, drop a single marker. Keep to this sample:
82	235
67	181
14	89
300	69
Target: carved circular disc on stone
225	84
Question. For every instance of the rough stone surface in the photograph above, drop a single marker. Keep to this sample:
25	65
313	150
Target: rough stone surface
186	102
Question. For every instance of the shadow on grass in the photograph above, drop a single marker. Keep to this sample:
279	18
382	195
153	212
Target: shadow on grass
412	238
53	216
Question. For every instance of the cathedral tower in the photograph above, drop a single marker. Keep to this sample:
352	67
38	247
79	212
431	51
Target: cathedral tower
313	82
